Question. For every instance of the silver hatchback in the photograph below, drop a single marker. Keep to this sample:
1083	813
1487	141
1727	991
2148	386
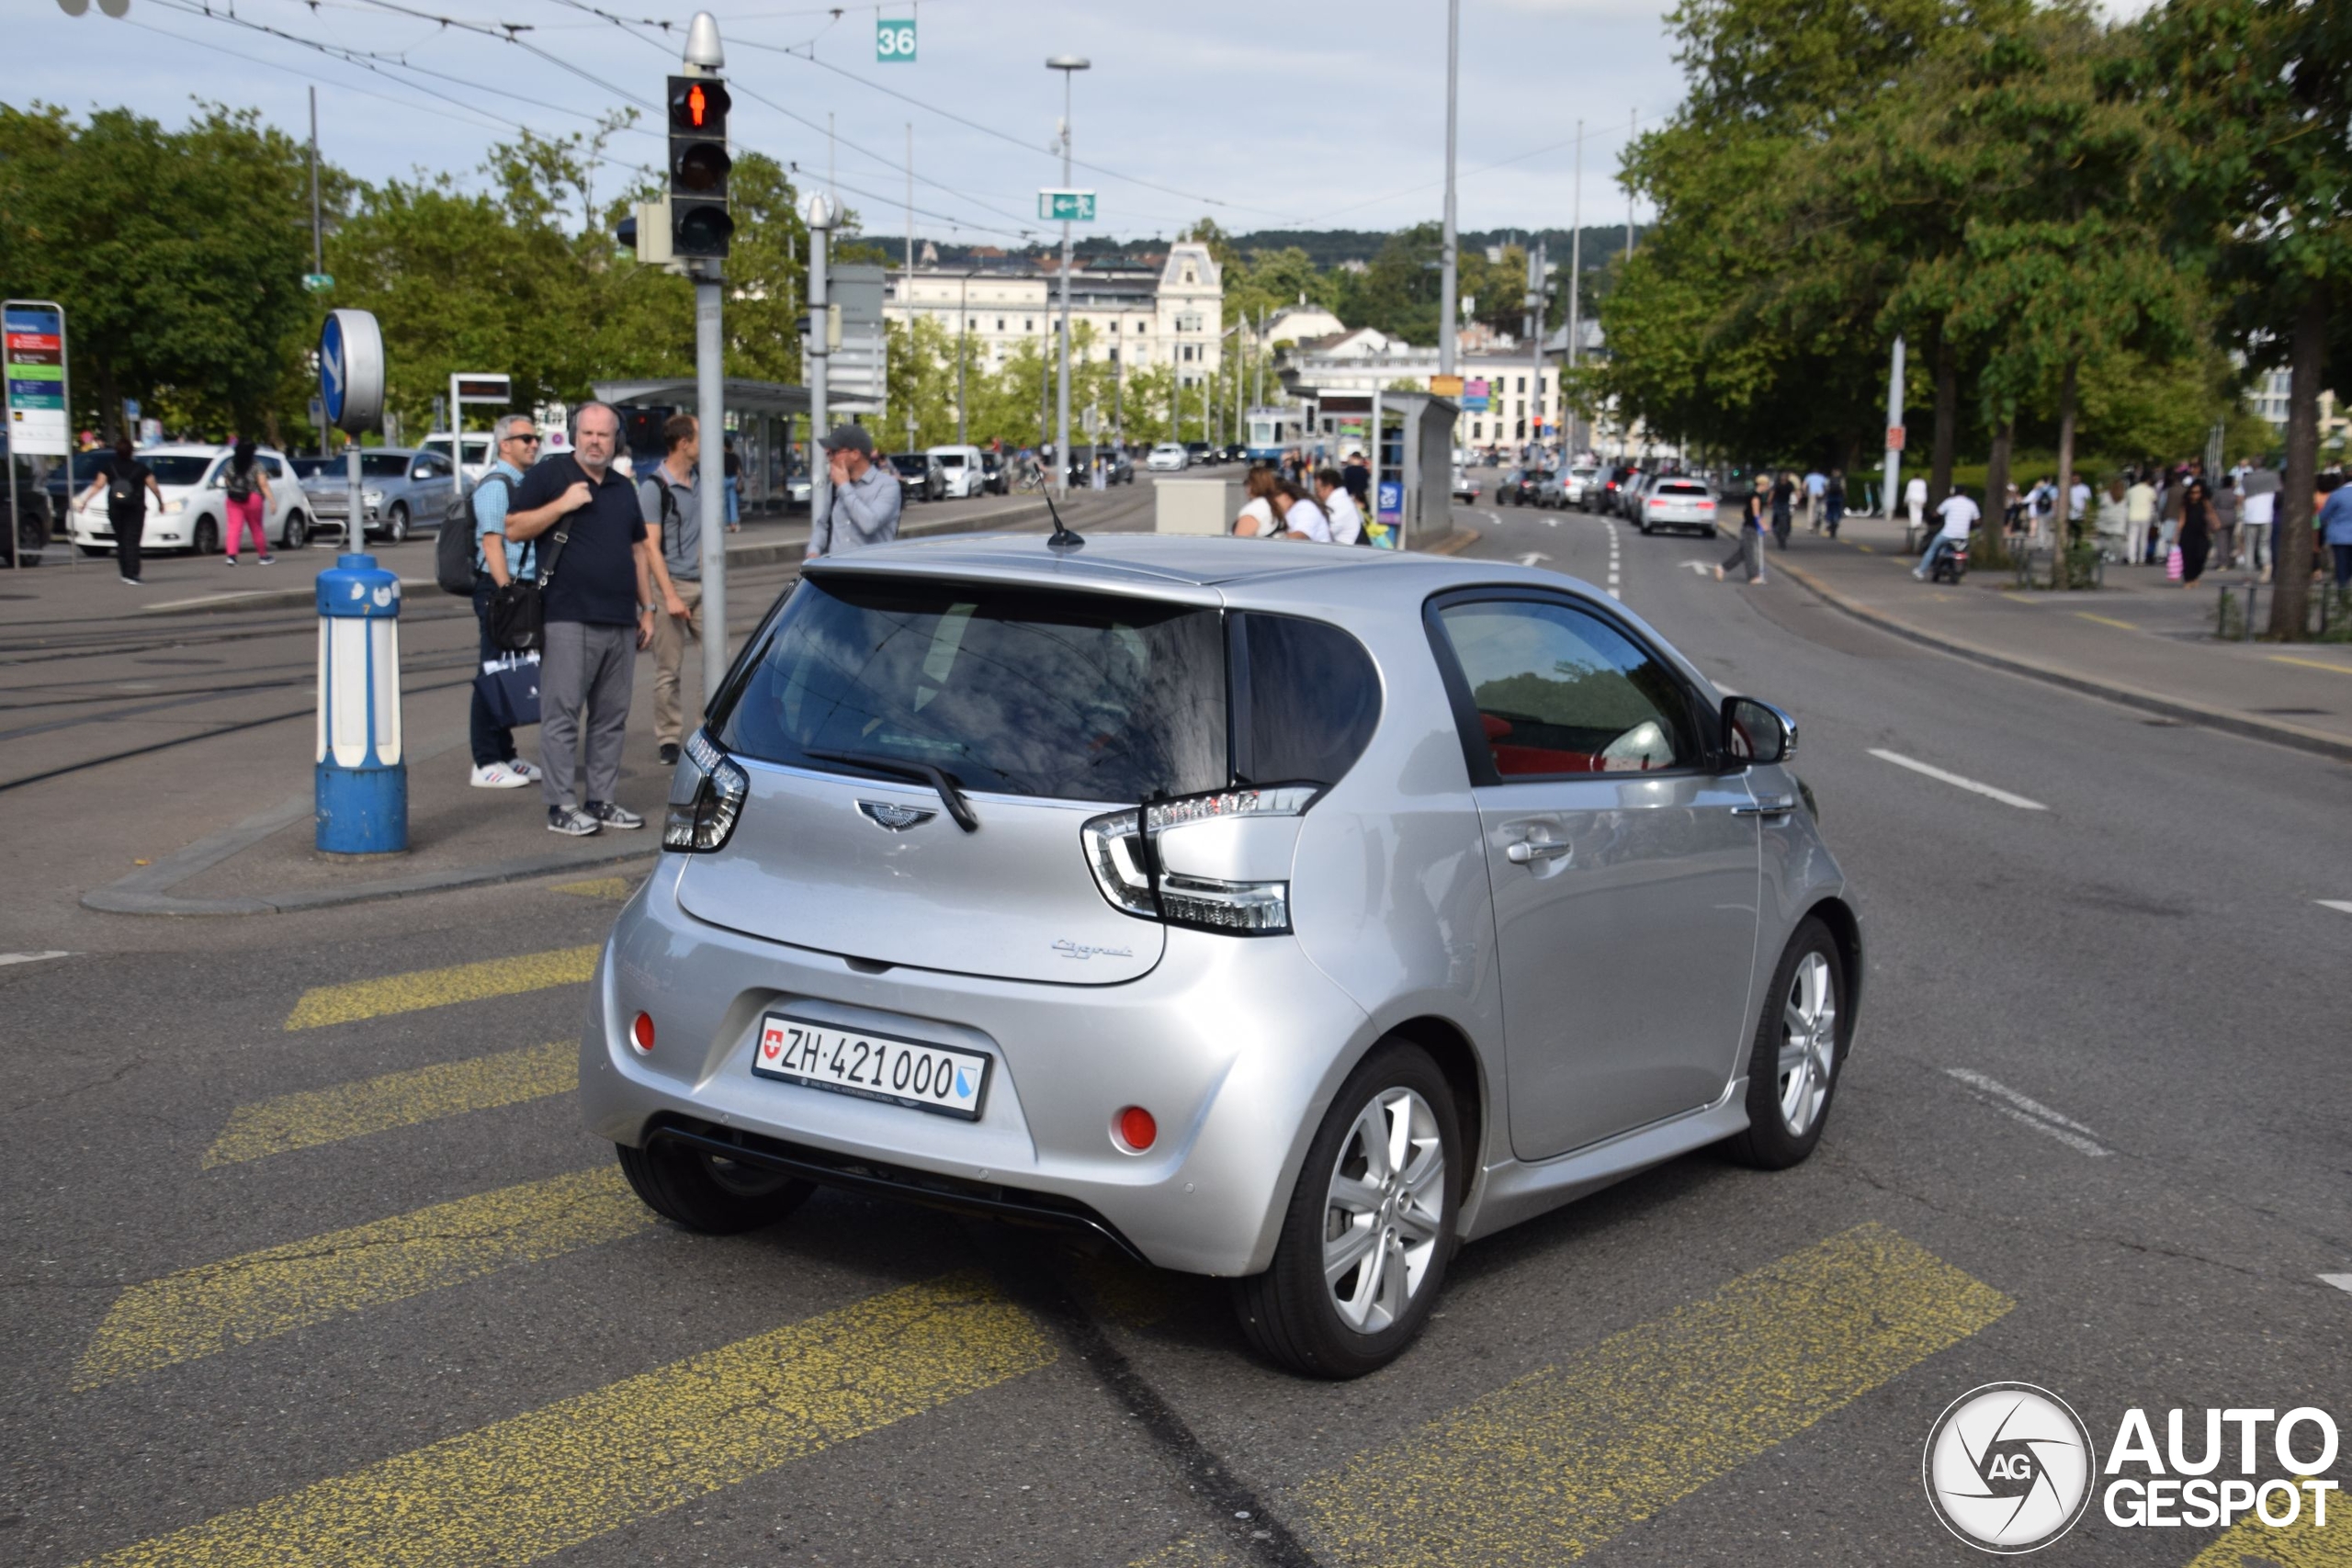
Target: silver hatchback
1293	916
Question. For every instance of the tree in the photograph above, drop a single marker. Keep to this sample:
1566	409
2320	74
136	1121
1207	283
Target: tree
2257	97
178	257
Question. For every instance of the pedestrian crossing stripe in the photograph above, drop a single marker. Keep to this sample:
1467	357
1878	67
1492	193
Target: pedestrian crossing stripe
2253	1544
358	999
1555	1465
614	887
314	1117
529	1486
214	1307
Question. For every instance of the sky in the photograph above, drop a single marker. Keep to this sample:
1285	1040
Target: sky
1258	113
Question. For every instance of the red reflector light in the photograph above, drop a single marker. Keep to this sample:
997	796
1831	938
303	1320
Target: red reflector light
642	1032
1136	1129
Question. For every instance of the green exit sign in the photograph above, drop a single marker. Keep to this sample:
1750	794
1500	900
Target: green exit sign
894	41
1067	206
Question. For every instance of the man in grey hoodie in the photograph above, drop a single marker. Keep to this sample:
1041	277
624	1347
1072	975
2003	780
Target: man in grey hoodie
864	504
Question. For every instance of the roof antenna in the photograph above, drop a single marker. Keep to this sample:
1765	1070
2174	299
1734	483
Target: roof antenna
1063	538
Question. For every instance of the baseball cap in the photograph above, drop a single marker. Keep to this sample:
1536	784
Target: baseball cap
849	437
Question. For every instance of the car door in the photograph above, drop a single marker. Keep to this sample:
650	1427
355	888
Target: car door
434	484
1625	869
283	494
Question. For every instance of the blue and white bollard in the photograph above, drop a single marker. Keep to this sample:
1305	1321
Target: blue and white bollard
362	782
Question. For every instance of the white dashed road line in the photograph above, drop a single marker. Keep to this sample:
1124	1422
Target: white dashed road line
6	958
1957	781
2344	905
2030	1112
2341	1281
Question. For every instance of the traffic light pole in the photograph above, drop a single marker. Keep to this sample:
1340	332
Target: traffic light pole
819	211
710	484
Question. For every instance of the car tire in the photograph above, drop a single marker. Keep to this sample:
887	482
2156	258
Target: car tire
703	1192
1291	1314
205	539
95	549
298	532
1644	527
1790	1080
396	524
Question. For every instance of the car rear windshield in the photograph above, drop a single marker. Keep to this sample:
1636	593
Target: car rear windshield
1007	690
1681	487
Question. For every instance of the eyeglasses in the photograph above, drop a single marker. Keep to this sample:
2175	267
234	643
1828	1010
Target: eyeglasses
528	440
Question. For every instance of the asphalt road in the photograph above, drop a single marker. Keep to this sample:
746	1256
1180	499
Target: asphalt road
2091	1137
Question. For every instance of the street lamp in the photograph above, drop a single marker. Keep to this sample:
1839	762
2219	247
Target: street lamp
1069	65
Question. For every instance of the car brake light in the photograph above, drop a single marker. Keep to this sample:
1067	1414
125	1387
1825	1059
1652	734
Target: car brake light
1123	851
703	821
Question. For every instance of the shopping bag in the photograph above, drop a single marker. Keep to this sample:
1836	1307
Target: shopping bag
510	688
2173	568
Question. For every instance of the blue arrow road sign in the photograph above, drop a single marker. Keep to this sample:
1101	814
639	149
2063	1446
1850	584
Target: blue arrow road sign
334	377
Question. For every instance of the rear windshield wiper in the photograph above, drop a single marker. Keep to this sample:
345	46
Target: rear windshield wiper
958	806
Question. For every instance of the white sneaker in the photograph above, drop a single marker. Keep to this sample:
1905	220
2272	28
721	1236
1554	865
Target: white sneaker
498	775
529	772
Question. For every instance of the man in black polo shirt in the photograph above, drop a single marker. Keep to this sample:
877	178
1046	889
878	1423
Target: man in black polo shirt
599	613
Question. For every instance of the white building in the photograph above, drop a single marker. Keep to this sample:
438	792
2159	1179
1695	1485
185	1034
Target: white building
1141	315
1368	360
2273	395
1297	323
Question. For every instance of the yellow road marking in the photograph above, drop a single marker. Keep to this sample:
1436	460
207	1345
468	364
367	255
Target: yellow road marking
597	887
523	1488
395	1100
1866	549
2250	1543
217	1306
2106	621
441	988
2309	663
1546	1469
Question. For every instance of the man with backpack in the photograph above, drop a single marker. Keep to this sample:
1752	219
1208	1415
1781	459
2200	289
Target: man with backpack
669	495
496	564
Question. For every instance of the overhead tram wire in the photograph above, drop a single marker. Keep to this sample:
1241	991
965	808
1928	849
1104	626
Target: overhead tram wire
409	104
376	61
1482	169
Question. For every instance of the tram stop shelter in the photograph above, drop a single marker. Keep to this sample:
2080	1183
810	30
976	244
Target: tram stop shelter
1415	443
765	420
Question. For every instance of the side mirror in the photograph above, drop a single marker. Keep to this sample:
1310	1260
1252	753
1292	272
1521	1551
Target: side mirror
1755	732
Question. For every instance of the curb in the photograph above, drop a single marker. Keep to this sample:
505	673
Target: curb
737	555
1454	544
2295	735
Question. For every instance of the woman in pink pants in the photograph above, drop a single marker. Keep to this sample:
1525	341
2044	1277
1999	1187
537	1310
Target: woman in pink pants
247	484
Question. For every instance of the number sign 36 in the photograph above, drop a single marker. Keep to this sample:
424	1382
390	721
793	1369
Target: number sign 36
894	41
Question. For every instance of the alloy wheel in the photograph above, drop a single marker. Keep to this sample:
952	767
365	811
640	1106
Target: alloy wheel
1383	1209
1808	1042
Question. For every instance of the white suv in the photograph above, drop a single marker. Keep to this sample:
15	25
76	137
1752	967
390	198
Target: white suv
194	479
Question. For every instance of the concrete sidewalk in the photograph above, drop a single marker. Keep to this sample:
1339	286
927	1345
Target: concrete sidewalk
2139	640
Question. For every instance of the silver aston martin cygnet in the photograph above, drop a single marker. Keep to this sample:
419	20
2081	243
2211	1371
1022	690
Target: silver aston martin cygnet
1282	913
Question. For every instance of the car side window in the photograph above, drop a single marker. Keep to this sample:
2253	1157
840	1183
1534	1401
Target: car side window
1560	692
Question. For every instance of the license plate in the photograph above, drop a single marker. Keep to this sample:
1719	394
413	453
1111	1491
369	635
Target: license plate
937	1078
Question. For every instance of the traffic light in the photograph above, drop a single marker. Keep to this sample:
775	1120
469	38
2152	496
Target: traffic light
700	223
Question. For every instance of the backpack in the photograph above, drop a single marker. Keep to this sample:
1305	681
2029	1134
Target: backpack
668	514
453	546
122	489
240	484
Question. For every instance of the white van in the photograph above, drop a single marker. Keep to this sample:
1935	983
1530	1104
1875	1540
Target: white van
966	476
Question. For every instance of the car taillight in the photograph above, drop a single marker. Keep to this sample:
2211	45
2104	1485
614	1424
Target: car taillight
702	822
1657	500
1123	851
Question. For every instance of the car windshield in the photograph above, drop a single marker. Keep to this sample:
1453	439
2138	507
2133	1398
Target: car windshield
315	467
910	464
1007	690
951	459
177	469
383	465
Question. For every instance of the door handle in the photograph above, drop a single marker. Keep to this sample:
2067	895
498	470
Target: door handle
1776	805
1527	852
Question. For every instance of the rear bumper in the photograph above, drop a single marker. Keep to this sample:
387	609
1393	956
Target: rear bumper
1235	1045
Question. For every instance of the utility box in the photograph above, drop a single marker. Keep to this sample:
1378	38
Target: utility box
1191	506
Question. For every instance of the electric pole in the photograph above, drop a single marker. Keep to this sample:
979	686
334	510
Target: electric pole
1069	65
1448	263
700	230
817	210
1574	423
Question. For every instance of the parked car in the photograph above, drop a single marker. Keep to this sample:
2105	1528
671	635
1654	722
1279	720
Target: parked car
24	509
70	479
1169	457
920	475
796	489
1199	453
1679	503
1548	491
1517	487
989	917
402	491
1464	486
1629	494
194	481
1575	483
999	478
961	465
1601	497
477	453
1118	468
